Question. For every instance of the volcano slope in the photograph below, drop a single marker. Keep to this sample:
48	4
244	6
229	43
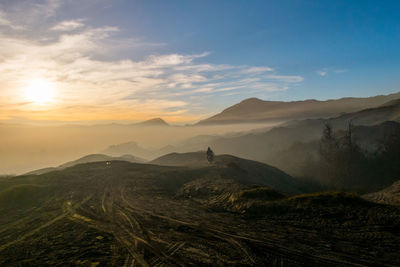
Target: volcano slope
129	214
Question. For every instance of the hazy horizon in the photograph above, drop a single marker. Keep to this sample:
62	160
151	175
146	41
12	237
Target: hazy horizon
24	121
26	148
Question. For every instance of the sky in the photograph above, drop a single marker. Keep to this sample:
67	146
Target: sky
129	60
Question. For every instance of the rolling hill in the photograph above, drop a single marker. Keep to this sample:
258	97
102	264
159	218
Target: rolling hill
153	122
122	213
389	111
296	140
288	147
257	110
246	171
88	159
256	145
101	157
195	159
128	148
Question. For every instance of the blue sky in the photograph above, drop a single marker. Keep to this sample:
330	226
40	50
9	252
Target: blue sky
296	37
217	52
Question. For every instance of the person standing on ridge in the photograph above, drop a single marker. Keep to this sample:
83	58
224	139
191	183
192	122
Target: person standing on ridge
210	155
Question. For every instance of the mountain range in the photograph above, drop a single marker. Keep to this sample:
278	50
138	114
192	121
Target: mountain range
257	110
371	126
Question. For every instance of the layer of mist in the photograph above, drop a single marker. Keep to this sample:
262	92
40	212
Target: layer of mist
25	148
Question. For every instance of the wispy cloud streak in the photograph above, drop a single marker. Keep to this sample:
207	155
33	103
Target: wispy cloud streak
71	54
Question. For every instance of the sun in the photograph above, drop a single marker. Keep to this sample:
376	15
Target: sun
39	91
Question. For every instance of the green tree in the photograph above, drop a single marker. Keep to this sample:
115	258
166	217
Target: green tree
342	161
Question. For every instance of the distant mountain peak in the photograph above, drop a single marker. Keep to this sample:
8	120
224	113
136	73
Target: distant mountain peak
154	122
252	99
255	110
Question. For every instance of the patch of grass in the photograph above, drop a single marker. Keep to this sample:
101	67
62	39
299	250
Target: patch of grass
328	198
23	195
260	193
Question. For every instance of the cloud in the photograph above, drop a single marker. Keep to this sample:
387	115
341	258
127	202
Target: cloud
22	14
257	70
46	8
69	25
173	59
325	71
94	80
287	78
4	21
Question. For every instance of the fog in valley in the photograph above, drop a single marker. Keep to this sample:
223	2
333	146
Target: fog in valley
25	148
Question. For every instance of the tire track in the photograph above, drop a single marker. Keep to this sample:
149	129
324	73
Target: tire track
70	210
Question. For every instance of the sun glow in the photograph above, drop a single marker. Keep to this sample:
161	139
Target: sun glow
39	91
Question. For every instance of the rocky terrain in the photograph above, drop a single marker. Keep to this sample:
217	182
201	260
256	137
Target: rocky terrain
389	195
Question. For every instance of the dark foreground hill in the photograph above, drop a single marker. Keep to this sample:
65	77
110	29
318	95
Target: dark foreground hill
182	159
245	170
128	214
